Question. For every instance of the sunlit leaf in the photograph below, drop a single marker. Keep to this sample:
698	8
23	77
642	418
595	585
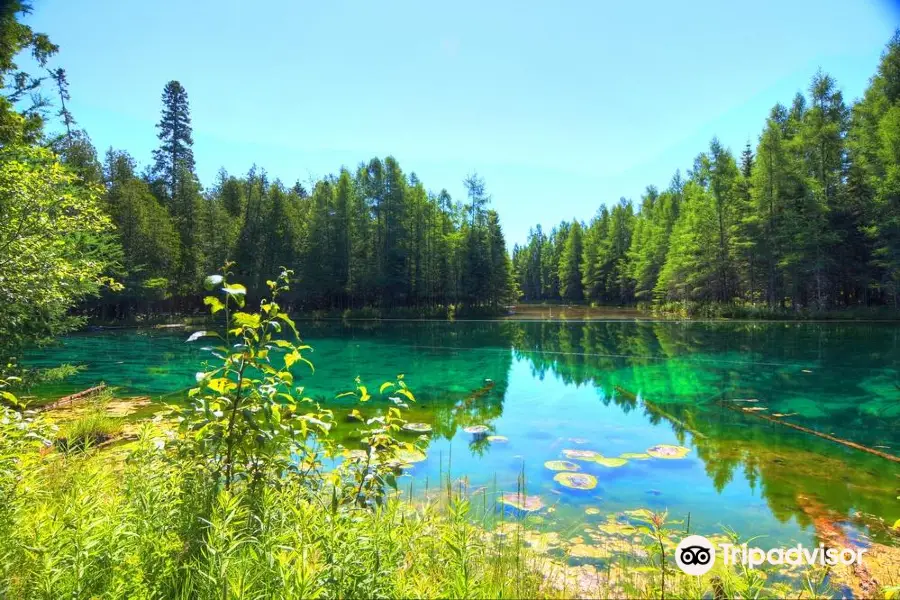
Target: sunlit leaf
408	394
235	289
245	319
215	305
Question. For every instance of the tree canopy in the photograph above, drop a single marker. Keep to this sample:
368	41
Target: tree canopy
810	219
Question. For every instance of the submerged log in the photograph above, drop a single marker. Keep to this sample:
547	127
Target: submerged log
827	526
824	436
77	396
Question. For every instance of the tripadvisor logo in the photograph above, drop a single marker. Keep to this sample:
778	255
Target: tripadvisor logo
696	555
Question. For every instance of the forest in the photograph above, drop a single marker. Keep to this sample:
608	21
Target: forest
808	219
84	238
218	457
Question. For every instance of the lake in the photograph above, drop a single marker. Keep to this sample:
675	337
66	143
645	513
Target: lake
616	387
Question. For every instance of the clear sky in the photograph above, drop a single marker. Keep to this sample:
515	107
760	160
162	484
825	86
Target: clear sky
560	106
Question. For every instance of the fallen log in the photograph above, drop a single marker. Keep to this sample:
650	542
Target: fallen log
77	396
825	436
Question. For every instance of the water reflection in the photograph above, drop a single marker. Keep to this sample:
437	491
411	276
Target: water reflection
620	385
679	374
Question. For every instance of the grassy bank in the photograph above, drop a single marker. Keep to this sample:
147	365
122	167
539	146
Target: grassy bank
699	310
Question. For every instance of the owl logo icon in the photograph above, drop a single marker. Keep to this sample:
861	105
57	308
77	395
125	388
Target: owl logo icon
695	555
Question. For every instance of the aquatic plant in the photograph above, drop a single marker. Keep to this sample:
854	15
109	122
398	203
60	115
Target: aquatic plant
581	454
418	427
497	439
410	456
610	462
668	451
476	429
582	550
634	455
522	502
576	481
561	465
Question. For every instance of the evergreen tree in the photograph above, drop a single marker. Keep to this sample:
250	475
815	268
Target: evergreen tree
570	286
174	159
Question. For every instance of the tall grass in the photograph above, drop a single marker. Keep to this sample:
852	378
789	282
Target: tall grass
78	528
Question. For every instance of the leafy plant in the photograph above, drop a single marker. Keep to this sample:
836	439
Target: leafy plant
370	473
245	416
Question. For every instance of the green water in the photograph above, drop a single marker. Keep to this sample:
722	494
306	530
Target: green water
613	387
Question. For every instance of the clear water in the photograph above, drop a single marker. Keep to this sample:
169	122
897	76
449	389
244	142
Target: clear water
613	387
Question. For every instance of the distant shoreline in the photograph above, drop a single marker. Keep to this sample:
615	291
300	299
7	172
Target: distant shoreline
541	313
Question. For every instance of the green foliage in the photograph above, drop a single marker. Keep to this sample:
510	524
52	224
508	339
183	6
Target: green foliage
570	287
238	504
245	413
53	237
22	126
808	222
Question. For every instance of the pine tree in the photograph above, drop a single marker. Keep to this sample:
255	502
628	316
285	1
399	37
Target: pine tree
570	287
174	159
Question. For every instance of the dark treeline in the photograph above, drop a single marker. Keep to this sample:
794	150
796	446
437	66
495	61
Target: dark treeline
810	219
373	237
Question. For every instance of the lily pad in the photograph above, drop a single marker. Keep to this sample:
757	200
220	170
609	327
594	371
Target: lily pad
520	502
581	454
477	429
576	481
561	465
634	455
588	551
613	527
410	456
592	510
497	439
668	451
418	427
611	462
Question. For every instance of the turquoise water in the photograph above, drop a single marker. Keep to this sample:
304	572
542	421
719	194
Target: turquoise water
613	387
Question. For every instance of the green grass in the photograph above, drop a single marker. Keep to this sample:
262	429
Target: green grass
88	430
86	525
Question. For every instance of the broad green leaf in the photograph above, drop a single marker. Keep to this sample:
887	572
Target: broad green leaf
245	319
221	385
215	305
9	397
235	289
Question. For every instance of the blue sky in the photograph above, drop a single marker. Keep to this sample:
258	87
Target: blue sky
560	106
